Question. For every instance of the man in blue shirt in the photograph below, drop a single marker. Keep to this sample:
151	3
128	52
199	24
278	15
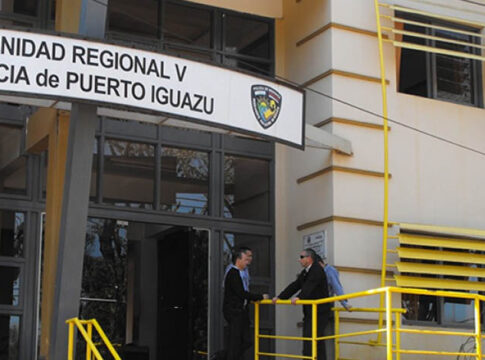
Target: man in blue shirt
335	288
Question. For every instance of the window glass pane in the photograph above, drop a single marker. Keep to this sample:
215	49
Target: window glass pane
413	68
10	285
246	188
247	36
104	282
420	307
187	25
459	311
9	337
111	316
258	67
184	186
12	233
13	166
454	75
137	18
189	53
94	173
23	7
128	174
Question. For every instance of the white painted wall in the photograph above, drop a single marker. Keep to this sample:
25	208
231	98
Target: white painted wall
432	182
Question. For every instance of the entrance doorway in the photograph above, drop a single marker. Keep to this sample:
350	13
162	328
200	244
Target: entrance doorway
147	285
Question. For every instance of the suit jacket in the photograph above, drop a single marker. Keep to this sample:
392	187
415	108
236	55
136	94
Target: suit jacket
235	296
312	285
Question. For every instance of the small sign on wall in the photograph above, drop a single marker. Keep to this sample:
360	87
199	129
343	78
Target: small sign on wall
316	241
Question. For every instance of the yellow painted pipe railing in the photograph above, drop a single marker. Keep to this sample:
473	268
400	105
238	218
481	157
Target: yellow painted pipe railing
87	333
394	343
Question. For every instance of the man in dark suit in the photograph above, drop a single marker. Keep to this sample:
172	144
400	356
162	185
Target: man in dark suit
235	307
312	284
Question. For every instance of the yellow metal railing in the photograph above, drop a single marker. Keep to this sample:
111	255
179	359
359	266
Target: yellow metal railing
87	333
394	343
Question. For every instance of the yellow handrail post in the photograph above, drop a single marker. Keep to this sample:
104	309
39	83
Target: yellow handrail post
105	339
386	160
90	335
256	331
314	331
337	332
88	341
398	335
70	346
388	324
478	329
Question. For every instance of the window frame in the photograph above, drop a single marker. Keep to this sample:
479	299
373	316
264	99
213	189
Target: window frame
431	73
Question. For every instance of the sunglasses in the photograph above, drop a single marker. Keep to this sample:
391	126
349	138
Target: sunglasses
304	256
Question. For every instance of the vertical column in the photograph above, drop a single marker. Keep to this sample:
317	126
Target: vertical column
86	17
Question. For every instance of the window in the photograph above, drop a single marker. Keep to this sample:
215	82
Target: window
434	309
246	188
27	13
128	173
184	186
13	165
196	31
450	78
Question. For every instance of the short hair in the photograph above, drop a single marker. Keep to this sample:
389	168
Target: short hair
238	253
319	259
245	249
310	252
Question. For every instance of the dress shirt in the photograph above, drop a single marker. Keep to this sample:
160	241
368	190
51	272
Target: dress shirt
334	285
243	273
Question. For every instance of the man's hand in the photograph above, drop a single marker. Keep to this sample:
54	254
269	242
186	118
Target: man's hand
348	307
265	296
294	300
275	299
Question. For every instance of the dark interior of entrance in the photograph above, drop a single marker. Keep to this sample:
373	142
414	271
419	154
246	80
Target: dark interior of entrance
147	285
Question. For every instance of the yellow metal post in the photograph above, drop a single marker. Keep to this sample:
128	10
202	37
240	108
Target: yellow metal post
70	346
314	331
256	331
90	335
385	219
337	332
478	329
398	335
388	324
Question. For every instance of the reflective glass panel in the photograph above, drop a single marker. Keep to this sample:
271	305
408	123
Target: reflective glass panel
23	7
187	25
104	282
420	307
13	166
459	311
9	337
184	186
10	285
94	172
247	36
246	188
128	174
454	75
12	226
136	18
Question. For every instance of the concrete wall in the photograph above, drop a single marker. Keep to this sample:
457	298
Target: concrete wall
432	182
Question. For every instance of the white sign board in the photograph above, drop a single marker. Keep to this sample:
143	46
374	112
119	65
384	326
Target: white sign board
62	68
316	241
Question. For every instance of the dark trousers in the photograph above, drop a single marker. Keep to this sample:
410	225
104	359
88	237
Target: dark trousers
238	334
307	332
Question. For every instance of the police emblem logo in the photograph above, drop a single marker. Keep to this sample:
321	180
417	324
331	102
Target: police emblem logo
266	104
